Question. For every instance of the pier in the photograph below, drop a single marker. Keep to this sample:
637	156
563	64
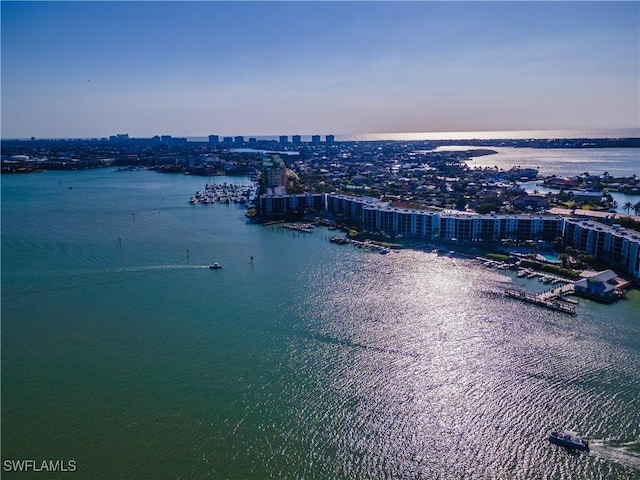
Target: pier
358	244
300	227
552	299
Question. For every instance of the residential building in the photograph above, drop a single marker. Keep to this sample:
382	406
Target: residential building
614	245
279	205
535	202
274	172
617	246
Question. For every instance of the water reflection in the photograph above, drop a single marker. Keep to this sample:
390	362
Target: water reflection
413	372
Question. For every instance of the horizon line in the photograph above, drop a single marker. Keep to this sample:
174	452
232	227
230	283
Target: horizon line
587	133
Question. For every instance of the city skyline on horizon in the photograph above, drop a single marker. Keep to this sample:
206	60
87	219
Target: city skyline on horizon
89	70
602	134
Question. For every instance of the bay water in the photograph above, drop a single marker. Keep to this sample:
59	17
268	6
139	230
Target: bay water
124	352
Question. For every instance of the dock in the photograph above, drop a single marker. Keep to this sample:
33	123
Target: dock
366	245
552	299
300	227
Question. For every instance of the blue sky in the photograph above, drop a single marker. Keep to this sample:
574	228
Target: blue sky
93	69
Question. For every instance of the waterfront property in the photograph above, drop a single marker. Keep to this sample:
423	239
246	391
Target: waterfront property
278	205
615	245
602	286
377	216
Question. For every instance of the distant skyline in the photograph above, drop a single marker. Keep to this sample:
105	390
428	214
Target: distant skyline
94	69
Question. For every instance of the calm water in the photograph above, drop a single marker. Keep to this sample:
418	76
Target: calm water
128	355
563	162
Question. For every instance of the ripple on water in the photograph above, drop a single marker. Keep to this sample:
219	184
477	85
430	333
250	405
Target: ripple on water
311	362
416	382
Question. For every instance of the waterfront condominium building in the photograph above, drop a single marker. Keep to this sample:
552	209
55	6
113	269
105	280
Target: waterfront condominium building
377	216
613	244
617	246
349	207
453	226
382	217
278	205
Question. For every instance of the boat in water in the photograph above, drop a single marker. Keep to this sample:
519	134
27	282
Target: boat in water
569	439
215	266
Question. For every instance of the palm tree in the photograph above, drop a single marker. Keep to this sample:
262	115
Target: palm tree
627	206
636	208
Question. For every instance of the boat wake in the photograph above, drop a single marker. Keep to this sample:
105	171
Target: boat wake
147	268
625	454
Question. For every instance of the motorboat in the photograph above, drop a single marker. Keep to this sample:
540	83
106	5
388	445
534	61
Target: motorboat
569	439
215	266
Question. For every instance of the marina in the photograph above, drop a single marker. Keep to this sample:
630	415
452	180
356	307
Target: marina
224	193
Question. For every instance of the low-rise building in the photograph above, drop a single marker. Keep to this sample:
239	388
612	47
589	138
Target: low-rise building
598	285
534	201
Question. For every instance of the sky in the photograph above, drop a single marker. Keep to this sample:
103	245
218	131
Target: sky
94	69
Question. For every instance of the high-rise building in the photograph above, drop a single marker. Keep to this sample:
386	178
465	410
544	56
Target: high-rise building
119	137
315	139
330	139
274	173
238	141
295	139
284	139
214	139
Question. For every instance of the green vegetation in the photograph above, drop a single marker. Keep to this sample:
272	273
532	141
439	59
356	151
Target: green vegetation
490	205
629	223
499	257
379	239
564	272
385	244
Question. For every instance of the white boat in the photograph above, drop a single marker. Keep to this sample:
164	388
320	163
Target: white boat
215	266
569	439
